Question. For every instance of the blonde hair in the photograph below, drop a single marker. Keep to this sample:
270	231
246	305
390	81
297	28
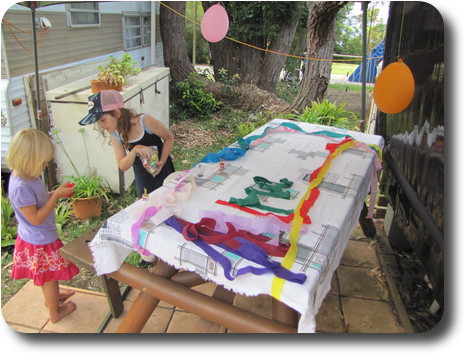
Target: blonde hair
29	150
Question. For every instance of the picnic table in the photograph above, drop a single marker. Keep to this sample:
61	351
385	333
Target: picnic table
270	214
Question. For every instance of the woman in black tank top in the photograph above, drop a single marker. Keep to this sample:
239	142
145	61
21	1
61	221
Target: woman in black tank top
130	134
143	179
133	133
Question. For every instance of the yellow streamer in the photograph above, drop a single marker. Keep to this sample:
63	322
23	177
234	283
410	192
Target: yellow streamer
289	259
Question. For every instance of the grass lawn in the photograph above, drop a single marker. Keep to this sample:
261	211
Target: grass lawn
343	68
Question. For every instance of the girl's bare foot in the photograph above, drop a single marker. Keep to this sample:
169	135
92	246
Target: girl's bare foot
63	296
63	310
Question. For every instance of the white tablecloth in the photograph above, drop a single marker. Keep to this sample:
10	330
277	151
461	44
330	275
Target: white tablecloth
291	155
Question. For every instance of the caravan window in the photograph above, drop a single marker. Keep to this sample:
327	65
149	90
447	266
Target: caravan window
83	14
137	30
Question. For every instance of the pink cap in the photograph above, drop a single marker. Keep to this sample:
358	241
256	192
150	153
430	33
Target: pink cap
100	103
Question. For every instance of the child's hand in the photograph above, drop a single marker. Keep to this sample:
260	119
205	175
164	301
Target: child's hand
145	152
160	165
65	190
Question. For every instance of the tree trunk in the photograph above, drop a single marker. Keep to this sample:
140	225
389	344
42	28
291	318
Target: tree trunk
251	61
273	63
221	61
224	54
320	45
172	27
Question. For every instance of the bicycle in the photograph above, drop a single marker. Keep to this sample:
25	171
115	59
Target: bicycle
292	78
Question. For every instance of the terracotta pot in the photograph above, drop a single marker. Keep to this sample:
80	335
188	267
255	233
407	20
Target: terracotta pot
98	85
86	208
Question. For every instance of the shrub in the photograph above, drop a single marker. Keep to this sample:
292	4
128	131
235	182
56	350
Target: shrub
228	82
195	101
248	127
330	114
62	212
8	223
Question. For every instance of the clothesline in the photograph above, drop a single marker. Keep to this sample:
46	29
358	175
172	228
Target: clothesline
263	49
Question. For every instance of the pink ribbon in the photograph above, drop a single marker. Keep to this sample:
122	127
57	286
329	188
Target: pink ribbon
270	224
377	167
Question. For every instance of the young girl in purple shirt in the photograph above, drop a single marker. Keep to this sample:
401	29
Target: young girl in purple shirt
36	254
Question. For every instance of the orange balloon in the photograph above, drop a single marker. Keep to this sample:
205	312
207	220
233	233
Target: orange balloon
394	88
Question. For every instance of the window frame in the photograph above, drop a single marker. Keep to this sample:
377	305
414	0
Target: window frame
70	11
145	30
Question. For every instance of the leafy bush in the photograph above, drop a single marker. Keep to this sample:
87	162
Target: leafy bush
326	113
8	223
285	92
195	101
228	82
248	127
62	212
245	128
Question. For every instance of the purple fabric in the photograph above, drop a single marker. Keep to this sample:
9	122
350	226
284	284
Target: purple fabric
22	193
205	230
149	212
246	250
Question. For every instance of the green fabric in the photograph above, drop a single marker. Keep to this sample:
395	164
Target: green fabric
270	189
252	201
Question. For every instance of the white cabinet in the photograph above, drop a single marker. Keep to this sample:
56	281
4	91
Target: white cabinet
147	92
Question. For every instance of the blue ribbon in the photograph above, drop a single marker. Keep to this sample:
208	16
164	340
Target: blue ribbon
231	153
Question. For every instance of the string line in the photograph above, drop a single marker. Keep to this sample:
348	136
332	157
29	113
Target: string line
267	50
401	30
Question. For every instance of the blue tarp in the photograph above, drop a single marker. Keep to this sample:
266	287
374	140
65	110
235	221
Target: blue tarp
371	68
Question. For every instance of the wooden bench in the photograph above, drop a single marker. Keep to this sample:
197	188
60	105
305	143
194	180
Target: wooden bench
215	311
78	251
176	289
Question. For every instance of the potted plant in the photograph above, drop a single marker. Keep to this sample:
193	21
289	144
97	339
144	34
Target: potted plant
89	189
114	74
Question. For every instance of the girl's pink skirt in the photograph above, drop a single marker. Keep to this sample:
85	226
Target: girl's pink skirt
41	263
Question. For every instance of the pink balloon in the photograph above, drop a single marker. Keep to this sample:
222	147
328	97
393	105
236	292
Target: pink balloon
215	23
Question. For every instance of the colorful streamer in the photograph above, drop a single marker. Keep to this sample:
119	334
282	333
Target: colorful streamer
316	178
234	153
298	217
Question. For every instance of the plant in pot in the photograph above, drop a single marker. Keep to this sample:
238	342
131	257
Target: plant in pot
114	74
89	189
88	195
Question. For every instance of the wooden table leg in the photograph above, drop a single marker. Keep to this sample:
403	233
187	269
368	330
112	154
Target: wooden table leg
144	304
210	308
284	314
78	252
113	294
367	224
